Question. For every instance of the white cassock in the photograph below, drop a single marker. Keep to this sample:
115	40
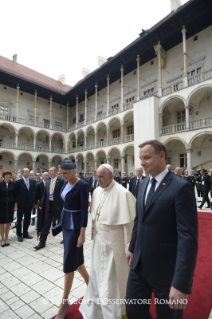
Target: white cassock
113	213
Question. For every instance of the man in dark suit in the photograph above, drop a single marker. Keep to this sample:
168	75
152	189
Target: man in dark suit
205	188
135	181
26	193
53	204
92	184
163	248
124	180
117	178
38	196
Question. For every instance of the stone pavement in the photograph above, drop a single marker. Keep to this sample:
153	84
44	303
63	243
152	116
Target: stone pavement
31	282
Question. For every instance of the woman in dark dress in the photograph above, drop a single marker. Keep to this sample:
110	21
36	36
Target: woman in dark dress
8	204
74	217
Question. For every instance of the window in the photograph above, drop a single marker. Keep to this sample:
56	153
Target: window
199	70
116	133
181	116
116	163
74	120
1	157
58	124
99	113
152	62
193	72
195	38
125	159
134	72
149	91
4	110
183	160
31	118
46	123
115	106
130	129
73	144
81	118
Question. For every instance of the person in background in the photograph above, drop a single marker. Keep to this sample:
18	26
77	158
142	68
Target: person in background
8	204
92	184
205	188
124	180
74	217
178	171
26	196
80	175
117	178
135	181
169	167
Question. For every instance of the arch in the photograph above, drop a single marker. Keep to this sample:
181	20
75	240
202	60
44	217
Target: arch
196	90
169	99
56	156
198	135
89	127
42	131
27	129
43	154
6	151
89	153
126	147
103	123
71	135
8	125
25	153
113	149
72	155
176	139
128	113
78	155
113	119
79	132
58	133
101	151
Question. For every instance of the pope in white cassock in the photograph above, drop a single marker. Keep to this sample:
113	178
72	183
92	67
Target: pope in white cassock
113	213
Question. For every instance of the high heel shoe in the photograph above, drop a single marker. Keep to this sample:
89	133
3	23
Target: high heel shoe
65	312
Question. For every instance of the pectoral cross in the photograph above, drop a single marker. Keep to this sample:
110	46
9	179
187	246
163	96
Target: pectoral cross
98	215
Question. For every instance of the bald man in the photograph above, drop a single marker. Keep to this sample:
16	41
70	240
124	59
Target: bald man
178	171
135	181
169	167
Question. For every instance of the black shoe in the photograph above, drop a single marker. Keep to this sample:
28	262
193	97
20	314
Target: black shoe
20	238
27	236
33	222
61	242
208	207
39	246
200	207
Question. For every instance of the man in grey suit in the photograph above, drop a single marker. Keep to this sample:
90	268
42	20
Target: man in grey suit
163	248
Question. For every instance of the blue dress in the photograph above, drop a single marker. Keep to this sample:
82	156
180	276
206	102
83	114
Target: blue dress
74	216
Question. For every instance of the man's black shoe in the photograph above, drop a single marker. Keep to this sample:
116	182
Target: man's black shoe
208	207
39	246
200	207
61	242
27	236
20	238
33	222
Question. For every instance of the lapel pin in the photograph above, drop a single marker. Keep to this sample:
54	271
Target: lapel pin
164	184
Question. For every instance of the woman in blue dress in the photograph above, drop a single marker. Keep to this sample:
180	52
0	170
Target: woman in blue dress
73	221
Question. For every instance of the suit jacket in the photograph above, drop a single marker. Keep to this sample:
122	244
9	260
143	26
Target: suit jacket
90	184
207	185
133	182
124	181
39	192
164	236
8	194
75	204
58	205
26	197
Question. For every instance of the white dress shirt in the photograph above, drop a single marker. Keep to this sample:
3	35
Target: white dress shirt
159	179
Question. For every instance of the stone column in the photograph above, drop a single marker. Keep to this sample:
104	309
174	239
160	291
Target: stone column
185	77
85	165
95	162
159	47
50	164
77	113
96	101
16	140
76	142
15	166
187	117
50	144
122	88
85	141
33	165
122	132
35	142
108	95
108	160
138	78
35	109
64	145
161	123
17	102
50	113
67	123
189	162
95	138
122	163
108	135
86	106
